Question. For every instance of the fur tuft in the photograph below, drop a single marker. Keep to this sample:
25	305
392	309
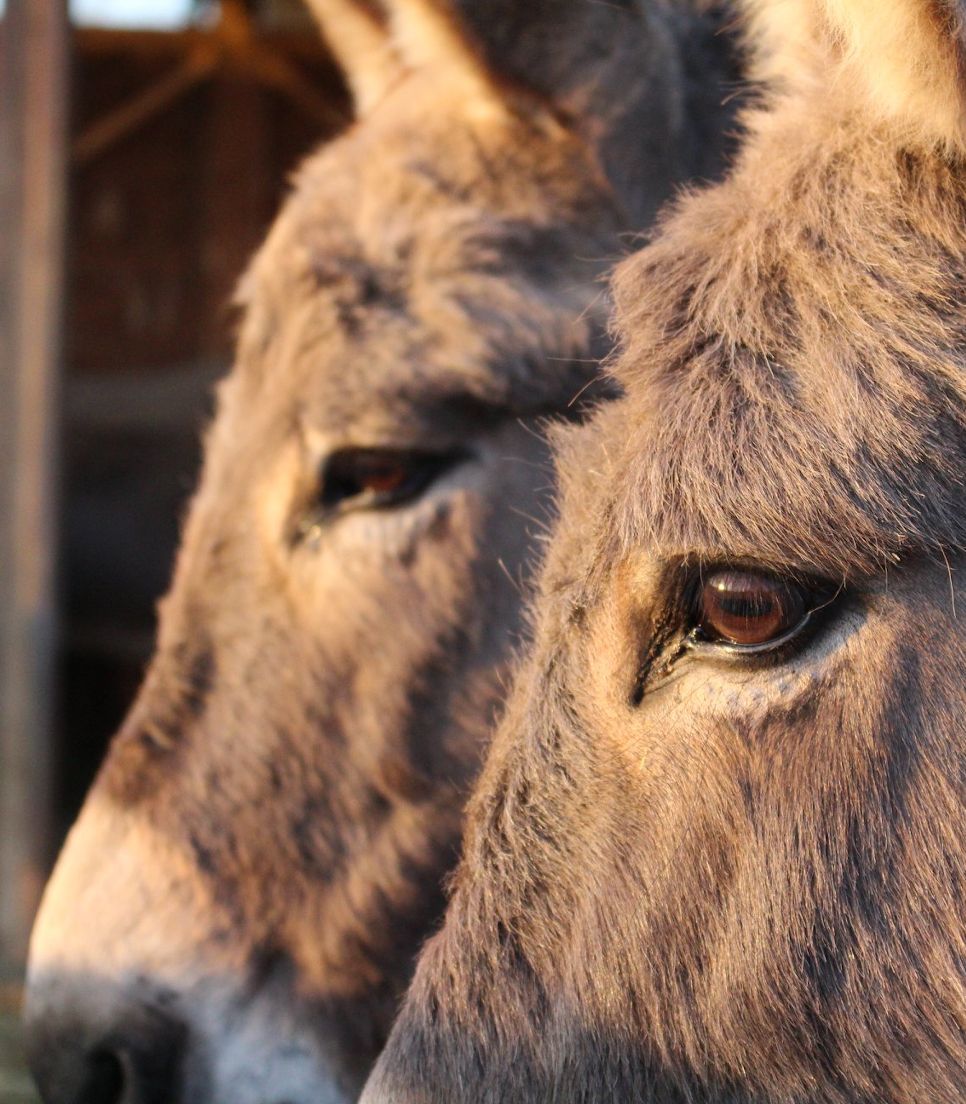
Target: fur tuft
902	62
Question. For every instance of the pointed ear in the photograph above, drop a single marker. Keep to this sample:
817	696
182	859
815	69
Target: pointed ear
358	36
611	71
908	55
550	49
432	34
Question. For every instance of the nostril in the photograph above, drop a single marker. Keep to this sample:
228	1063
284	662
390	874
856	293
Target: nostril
106	1079
75	1061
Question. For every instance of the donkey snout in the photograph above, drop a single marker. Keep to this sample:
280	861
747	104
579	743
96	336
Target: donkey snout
88	1046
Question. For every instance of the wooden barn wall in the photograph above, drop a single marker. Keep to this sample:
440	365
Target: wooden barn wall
162	223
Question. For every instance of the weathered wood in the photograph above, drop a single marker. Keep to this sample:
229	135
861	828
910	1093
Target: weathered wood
307	46
141	109
232	47
33	119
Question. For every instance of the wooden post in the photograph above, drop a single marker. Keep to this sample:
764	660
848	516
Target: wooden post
33	136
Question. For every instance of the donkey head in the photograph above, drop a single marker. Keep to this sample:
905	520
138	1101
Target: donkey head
717	852
237	910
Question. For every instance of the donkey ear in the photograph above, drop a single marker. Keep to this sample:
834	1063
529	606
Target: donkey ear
432	34
552	50
358	36
608	70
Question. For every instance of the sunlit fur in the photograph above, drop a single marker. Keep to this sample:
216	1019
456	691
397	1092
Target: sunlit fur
237	911
898	62
355	32
743	881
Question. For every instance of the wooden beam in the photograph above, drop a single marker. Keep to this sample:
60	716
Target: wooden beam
130	116
232	47
33	135
305	45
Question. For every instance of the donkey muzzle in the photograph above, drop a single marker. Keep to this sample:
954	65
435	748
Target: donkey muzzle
87	1044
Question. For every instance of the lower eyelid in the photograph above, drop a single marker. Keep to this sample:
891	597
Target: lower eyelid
759	649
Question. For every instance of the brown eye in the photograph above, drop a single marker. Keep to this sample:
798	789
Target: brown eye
380	478
748	608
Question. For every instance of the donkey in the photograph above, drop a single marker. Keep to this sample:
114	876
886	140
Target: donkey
237	911
717	853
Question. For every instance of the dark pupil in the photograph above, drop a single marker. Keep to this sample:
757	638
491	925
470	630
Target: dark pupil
382	480
748	608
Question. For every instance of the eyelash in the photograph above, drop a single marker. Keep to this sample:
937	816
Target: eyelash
679	633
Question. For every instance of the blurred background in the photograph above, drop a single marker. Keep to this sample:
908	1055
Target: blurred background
145	146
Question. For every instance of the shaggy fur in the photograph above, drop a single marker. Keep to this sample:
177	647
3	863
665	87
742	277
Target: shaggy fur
696	879
901	64
263	852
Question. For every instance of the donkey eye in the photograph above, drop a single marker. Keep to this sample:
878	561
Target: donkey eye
749	609
380	478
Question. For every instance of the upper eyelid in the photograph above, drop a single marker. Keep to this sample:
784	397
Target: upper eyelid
464	415
680	585
693	570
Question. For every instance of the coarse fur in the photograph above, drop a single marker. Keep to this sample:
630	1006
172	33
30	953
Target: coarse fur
696	876
238	909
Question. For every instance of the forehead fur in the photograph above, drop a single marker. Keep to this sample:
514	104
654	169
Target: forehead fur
422	247
903	61
794	359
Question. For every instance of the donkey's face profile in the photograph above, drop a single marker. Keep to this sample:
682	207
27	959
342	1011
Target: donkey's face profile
717	853
236	912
